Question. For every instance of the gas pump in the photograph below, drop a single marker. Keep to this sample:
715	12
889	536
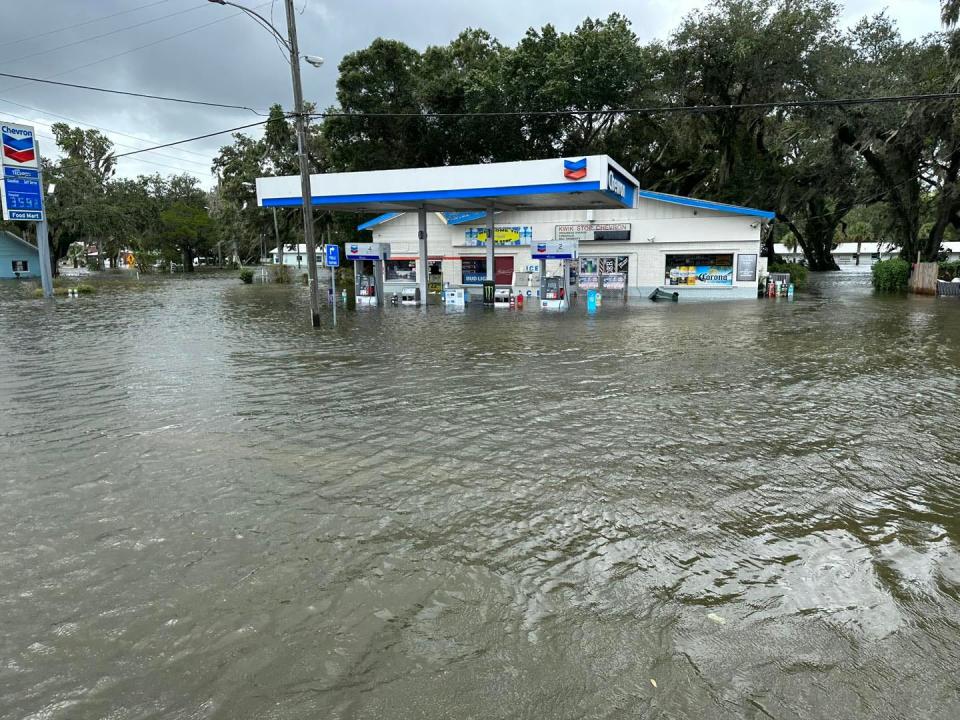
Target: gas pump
368	270
555	290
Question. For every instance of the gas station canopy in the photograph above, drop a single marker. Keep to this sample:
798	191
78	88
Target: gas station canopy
590	182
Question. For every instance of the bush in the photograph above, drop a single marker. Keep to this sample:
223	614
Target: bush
891	275
799	274
246	275
60	290
949	270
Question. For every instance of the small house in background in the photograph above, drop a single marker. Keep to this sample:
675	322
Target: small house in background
18	258
295	255
848	256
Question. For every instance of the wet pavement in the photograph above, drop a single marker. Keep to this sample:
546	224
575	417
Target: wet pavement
728	510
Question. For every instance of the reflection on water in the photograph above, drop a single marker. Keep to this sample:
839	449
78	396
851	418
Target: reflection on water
209	510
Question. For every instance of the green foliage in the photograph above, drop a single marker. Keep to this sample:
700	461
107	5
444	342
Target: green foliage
949	270
64	290
891	275
884	172
799	274
246	275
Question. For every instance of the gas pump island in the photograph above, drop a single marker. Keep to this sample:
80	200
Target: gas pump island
368	271
555	290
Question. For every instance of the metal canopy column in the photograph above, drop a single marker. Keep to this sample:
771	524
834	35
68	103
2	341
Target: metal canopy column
490	239
422	269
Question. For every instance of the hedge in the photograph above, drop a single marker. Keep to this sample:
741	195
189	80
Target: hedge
891	275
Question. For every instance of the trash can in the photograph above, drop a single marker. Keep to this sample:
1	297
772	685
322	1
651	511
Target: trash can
489	291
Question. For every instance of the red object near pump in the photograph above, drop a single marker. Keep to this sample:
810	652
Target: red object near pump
520	302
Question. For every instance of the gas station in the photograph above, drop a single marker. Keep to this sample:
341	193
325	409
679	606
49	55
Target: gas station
589	183
558	226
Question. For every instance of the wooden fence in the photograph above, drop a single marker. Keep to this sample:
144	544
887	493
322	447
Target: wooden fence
923	279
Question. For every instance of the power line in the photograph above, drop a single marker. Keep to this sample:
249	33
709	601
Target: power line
85	22
192	139
101	129
623	111
103	35
143	160
658	109
205	165
139	47
129	93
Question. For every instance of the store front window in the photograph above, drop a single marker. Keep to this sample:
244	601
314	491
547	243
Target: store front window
604	272
474	270
700	270
400	270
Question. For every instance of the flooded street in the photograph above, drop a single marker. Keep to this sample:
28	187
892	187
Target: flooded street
730	510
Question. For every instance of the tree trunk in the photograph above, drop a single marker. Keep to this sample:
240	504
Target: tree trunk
187	259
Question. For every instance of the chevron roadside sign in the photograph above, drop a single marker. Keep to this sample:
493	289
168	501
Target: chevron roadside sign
22	196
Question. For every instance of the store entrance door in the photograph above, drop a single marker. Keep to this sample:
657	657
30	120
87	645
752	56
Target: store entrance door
503	270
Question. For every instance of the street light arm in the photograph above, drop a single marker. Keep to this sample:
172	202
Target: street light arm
259	18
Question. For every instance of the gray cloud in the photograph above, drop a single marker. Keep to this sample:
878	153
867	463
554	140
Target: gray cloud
212	55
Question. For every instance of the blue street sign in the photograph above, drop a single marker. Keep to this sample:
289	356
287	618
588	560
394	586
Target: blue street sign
22	194
331	255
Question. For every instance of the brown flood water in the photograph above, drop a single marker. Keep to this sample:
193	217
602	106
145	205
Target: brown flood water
208	510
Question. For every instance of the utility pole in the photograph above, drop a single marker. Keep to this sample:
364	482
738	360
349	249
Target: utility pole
304	166
290	42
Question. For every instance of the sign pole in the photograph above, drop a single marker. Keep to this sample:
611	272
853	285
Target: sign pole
43	246
333	287
331	259
43	240
21	190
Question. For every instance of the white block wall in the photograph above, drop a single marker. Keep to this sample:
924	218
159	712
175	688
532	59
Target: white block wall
657	229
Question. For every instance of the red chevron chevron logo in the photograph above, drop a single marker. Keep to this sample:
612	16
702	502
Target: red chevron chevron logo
20	156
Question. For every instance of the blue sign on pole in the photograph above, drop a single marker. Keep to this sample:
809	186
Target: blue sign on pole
331	255
22	194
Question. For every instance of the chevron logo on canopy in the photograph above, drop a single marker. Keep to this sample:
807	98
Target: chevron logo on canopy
575	169
18	147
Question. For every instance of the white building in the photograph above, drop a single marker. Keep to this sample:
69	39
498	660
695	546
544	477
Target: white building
849	256
293	256
630	251
631	241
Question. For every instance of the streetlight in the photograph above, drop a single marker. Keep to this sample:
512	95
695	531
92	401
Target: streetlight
290	43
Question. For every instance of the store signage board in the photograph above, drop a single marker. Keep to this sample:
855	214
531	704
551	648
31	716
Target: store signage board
746	268
594	232
22	194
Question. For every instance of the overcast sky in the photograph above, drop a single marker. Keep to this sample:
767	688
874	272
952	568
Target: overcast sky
195	49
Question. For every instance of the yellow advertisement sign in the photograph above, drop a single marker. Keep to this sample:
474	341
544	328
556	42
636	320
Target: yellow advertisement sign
502	235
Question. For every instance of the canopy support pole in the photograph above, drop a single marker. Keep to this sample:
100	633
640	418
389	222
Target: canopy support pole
423	264
490	242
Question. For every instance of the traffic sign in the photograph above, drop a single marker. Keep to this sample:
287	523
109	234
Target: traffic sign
331	255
